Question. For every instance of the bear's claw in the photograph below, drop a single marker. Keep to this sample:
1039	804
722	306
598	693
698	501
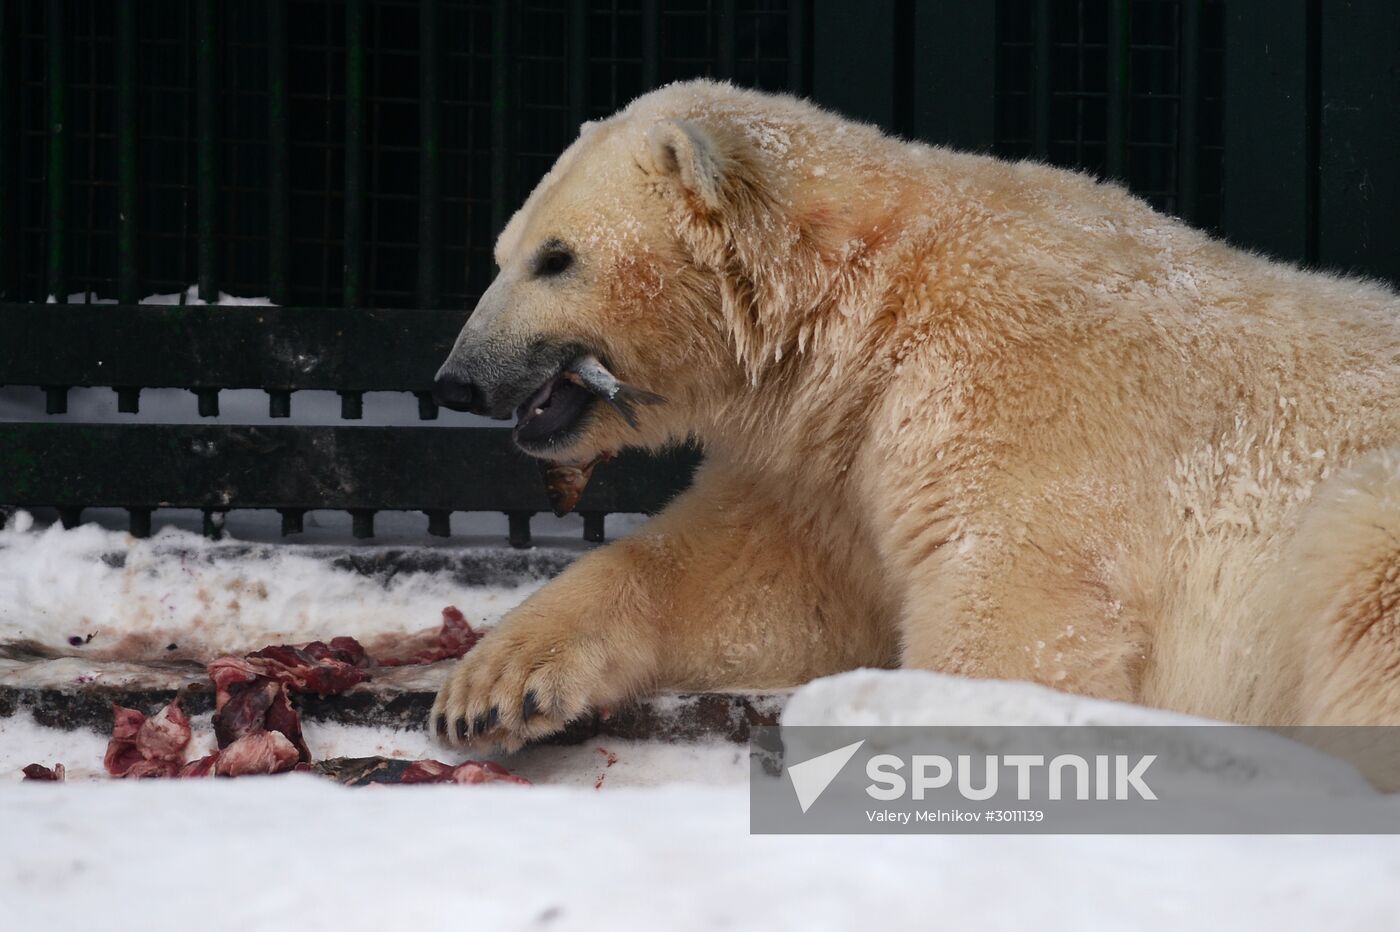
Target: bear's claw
522	682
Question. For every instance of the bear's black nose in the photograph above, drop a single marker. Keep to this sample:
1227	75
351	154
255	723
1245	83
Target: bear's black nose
454	393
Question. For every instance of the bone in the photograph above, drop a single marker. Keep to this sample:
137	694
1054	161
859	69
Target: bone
589	373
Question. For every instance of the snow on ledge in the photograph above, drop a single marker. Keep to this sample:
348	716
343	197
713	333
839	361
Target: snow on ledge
105	595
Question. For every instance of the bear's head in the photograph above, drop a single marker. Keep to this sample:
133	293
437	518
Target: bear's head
653	276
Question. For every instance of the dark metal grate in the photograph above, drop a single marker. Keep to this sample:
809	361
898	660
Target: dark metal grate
353	153
327	154
1120	88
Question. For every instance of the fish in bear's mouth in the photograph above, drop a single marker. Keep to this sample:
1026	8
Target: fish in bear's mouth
552	413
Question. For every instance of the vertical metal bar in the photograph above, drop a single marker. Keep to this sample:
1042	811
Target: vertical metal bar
439	523
1267	168
725	40
139	521
206	194
1313	126
853	68
21	254
208	401
279	403
578	61
500	111
593	526
9	178
57	80
352	405
797	46
1358	219
128	270
353	282
427	407
293	520
1188	135
651	44
1040	77
362	522
1119	78
89	286
955	45
214	522
279	233
519	528
429	155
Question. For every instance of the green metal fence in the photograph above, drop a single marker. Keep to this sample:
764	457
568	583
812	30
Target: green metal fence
353	160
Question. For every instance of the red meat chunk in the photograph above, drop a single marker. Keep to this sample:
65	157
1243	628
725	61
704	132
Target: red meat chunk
472	771
204	767
258	729
42	773
452	640
147	747
261	752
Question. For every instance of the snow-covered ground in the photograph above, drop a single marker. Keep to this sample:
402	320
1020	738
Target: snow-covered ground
663	843
656	839
284	853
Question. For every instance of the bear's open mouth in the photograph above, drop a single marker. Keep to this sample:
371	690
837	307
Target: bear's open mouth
551	411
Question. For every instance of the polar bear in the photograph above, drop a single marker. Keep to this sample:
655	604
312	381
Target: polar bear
989	418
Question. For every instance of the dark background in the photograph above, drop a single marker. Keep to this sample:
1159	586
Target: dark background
1276	122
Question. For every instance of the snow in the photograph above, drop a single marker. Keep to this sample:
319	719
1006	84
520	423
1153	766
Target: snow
663	843
189	296
136	597
297	852
659	838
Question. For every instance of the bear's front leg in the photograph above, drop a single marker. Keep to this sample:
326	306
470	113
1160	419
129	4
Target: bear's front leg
720	591
581	642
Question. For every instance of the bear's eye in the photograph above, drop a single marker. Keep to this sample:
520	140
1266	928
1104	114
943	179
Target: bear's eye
555	259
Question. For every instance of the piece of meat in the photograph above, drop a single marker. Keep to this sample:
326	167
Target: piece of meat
452	640
316	668
244	711
342	649
252	693
286	721
41	773
425	771
204	767
147	747
122	753
259	730
165	735
484	772
262	752
564	482
472	771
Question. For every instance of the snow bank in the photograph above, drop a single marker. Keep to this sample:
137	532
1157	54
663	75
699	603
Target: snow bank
1196	757
918	697
101	594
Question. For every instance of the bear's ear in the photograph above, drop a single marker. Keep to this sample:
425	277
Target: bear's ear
685	151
